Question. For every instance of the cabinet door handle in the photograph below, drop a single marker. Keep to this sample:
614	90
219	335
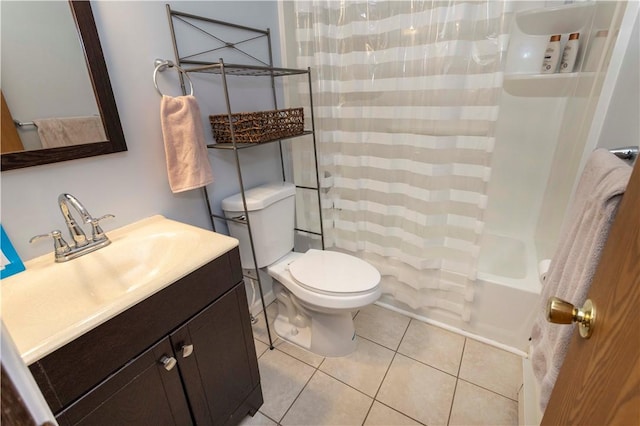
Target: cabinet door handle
187	350
168	362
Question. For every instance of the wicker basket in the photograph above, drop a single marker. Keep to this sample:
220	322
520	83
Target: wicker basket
258	127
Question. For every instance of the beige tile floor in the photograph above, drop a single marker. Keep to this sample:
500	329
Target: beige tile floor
403	372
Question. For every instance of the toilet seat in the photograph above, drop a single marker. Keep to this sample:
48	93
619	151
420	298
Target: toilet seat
333	273
363	295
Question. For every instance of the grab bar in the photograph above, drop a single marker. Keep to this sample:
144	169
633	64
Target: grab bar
626	152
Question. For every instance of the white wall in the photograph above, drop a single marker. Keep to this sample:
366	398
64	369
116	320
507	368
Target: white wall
621	126
133	184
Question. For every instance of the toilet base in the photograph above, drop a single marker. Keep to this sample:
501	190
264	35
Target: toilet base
331	335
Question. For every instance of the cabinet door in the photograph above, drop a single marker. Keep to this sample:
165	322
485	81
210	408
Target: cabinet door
143	392
217	360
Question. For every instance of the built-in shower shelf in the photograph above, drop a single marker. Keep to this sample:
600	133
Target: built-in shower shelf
547	85
529	37
561	19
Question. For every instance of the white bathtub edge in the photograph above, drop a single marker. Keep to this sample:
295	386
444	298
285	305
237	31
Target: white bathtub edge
529	401
455	330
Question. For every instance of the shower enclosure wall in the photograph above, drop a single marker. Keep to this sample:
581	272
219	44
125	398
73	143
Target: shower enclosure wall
542	135
545	128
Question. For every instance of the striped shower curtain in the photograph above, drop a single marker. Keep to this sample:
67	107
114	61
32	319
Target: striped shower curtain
406	100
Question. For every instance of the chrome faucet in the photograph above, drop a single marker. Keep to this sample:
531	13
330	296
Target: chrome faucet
81	244
78	236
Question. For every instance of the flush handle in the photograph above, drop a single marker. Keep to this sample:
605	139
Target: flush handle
563	312
168	362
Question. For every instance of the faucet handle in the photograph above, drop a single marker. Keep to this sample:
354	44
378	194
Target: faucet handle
59	244
97	232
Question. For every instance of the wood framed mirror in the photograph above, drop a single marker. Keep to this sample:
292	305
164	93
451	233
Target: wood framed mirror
106	105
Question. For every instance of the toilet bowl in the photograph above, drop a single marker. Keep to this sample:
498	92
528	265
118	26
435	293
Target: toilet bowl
316	291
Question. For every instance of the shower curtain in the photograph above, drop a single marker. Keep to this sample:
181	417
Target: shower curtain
406	100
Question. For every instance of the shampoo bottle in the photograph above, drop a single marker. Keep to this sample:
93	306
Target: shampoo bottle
551	55
570	53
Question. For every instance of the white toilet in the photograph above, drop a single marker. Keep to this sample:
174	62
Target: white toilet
316	291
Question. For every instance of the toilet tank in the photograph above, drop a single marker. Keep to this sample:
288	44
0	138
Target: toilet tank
271	209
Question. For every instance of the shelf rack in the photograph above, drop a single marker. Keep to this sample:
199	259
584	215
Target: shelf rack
258	68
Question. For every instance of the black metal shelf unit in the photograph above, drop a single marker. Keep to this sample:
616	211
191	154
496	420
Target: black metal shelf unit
257	68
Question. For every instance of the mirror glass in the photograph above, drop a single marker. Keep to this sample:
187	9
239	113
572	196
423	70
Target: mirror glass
57	100
41	37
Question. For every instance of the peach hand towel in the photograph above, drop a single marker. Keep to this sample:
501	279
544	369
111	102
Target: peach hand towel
188	164
582	239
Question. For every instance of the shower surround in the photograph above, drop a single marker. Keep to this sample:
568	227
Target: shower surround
431	170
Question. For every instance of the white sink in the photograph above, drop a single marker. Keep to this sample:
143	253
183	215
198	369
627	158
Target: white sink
50	304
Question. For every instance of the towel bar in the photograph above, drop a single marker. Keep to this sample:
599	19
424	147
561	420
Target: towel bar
161	65
24	123
626	152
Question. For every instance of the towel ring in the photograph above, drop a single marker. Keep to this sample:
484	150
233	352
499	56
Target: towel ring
161	65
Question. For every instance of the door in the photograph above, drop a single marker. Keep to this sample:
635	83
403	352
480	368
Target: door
10	139
144	392
217	359
599	382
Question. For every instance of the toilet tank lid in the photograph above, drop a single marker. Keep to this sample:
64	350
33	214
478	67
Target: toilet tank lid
259	197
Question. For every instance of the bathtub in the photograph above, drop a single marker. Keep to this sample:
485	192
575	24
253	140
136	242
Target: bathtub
507	296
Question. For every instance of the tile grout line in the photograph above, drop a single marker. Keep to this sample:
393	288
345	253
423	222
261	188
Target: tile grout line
455	389
301	390
399	412
475	384
298	359
297	396
267	417
344	383
427	365
415	359
373	401
489	390
464	345
395	352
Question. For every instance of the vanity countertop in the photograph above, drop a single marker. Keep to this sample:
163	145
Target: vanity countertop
51	304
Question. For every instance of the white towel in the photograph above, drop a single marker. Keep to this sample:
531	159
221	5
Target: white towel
582	239
67	131
188	164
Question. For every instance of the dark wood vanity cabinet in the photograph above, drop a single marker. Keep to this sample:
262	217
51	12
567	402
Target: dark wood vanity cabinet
217	370
185	355
143	392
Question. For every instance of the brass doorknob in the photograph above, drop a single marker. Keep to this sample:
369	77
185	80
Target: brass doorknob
562	312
